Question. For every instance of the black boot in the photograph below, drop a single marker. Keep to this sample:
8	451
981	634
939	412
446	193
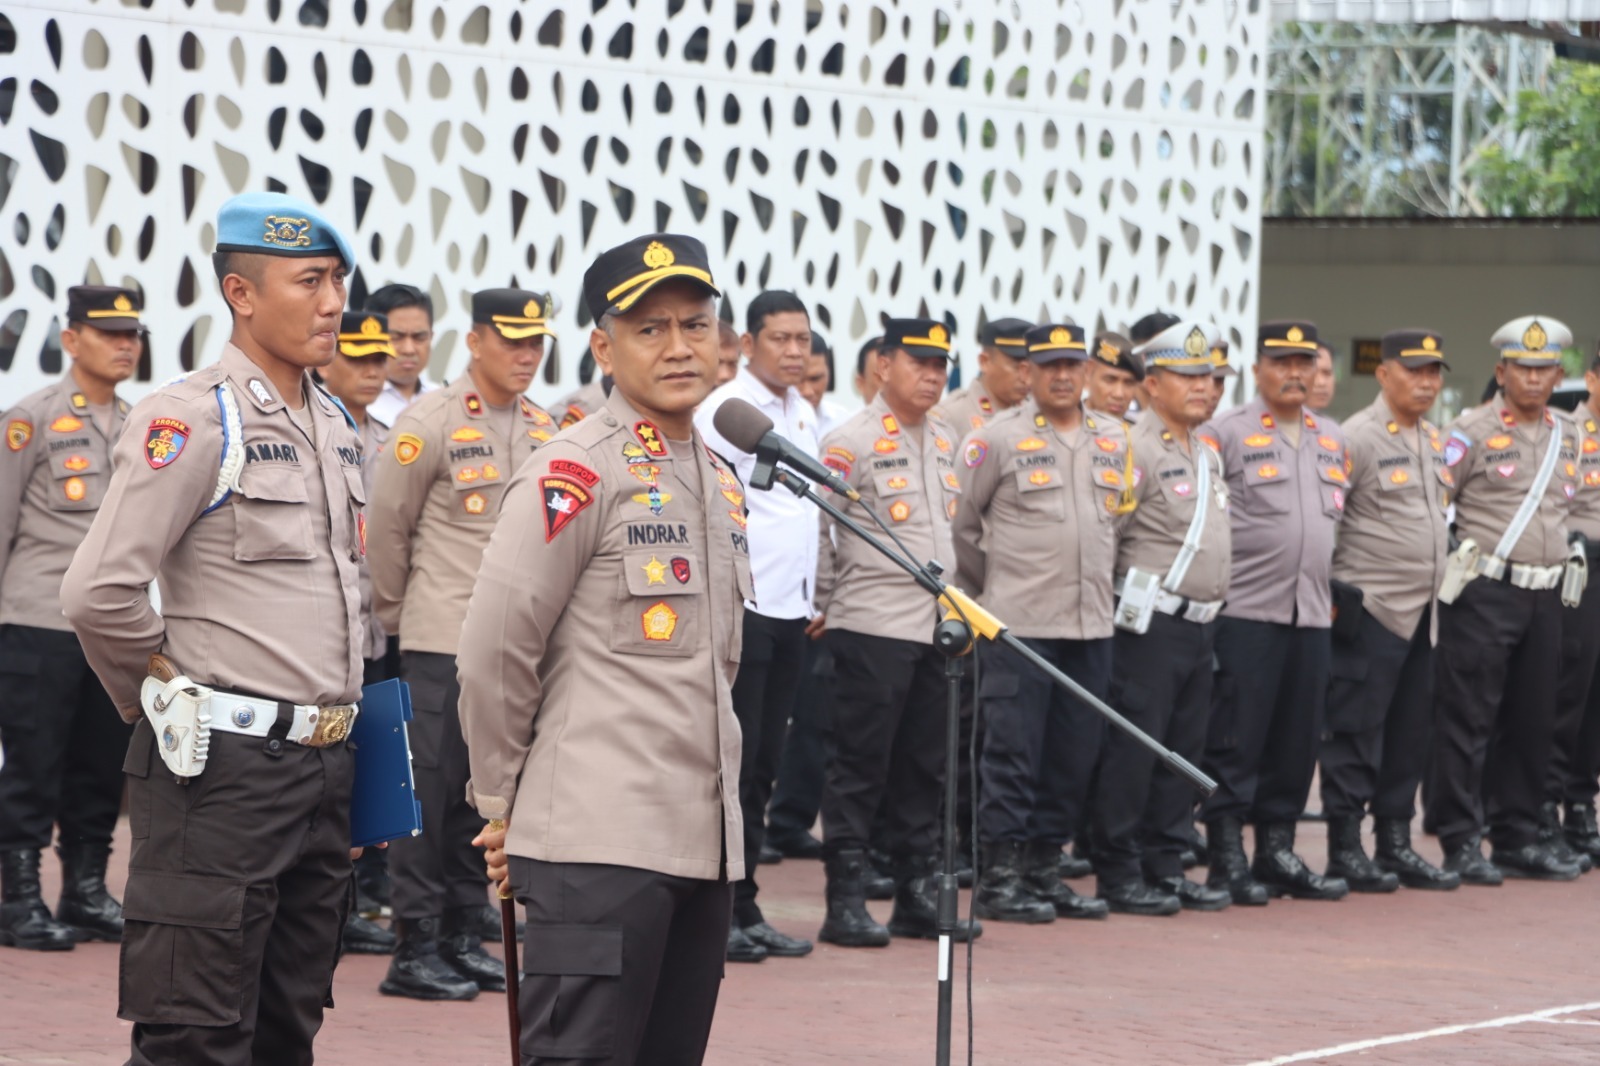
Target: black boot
1283	873
417	971
1193	896
486	922
1139	897
1553	840
1465	860
848	924
1348	859
1000	894
1394	853
879	883
916	904
85	904
462	947
25	921
1582	835
362	936
1534	862
1041	875
1197	844
1229	869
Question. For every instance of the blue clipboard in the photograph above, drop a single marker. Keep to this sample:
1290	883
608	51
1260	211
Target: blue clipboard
383	803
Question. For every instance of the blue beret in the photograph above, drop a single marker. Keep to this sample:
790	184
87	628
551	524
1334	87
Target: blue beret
271	223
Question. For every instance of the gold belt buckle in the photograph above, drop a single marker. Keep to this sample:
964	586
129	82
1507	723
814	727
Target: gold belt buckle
333	725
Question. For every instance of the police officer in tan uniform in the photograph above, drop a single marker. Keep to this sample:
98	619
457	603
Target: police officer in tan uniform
1286	485
1388	565
582	402
1221	373
237	488
597	664
1002	381
63	740
1575	758
437	495
1173	558
889	699
1500	635
1041	492
1114	376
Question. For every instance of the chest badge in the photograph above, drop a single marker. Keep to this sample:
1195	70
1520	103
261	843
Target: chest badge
659	621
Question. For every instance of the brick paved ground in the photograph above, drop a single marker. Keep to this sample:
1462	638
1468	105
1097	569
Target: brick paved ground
1231	988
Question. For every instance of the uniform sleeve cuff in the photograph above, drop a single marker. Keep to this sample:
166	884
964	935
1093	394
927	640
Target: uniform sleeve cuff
490	806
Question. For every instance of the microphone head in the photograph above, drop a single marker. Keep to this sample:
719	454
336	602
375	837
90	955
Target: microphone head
740	424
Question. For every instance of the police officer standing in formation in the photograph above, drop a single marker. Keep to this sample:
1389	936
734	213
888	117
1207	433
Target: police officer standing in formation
583	401
1041	492
1173	559
1286	485
1514	461
437	495
1387	568
783	560
238	488
63	740
889	704
597	663
409	313
1575	758
1221	373
1002	382
1114	376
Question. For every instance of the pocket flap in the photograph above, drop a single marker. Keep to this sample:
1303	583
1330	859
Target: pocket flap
1037	480
665	573
573	950
277	482
22	663
895	484
1111	479
357	487
191	900
1333	474
72	464
1268	472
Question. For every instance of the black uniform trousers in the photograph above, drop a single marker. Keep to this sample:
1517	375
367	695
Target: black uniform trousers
888	745
1380	722
1267	703
763	695
1494	713
439	870
64	743
1142	813
1040	743
797	795
1575	756
238	887
619	965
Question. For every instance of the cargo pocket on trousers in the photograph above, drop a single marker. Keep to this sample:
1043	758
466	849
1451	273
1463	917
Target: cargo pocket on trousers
136	764
1350	709
182	949
571	1008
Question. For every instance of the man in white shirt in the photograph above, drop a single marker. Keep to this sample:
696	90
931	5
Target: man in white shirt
410	314
783	561
818	382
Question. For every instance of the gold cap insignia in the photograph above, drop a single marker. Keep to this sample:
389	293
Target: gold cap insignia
1295	335
1060	335
122	303
658	255
287	232
370	327
1429	343
1534	337
938	335
1108	351
532	309
1194	345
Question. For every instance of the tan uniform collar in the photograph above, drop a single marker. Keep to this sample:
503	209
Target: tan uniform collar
645	433
251	383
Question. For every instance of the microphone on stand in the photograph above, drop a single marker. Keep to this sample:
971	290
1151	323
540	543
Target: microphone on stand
748	430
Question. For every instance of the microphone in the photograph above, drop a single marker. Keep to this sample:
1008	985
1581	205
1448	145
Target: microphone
747	429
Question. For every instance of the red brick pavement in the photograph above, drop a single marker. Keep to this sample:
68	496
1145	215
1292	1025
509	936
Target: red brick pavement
1229	988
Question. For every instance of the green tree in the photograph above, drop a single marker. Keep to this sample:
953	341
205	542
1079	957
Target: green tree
1557	173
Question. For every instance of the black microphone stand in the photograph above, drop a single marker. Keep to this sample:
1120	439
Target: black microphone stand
953	638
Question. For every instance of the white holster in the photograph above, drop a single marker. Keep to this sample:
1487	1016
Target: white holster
180	712
1136	601
1575	577
1459	570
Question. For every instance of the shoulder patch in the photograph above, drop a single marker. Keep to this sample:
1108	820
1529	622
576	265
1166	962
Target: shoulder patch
407	448
975	452
18	433
565	496
164	441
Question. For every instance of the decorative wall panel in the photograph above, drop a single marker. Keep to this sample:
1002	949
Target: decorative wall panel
1080	159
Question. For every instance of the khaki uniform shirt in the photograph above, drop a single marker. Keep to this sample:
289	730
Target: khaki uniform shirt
580	403
969	409
599	652
1166	487
1395	537
1048	501
1584	516
53	475
1286	503
374	435
260	593
1495	460
908	476
436	496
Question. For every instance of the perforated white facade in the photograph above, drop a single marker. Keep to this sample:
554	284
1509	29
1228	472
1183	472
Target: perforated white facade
1080	159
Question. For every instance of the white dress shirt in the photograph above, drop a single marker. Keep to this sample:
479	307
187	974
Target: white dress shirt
783	527
830	416
391	401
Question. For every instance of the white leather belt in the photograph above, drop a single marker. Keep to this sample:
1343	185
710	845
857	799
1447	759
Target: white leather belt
315	727
1520	575
1189	610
